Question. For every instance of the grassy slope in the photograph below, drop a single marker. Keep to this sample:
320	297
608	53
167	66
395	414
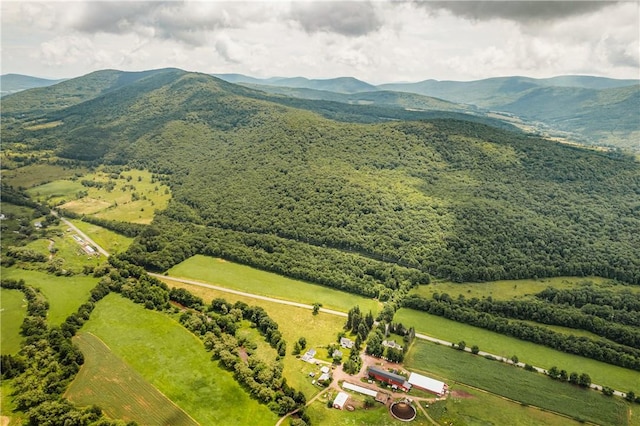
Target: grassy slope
105	380
37	174
175	362
117	204
514	289
12	311
319	331
506	380
540	356
65	294
245	278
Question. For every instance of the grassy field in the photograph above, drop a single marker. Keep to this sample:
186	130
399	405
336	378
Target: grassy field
601	373
109	240
13	309
125	394
134	197
65	294
514	289
517	384
7	407
319	331
175	362
38	174
378	415
468	406
251	280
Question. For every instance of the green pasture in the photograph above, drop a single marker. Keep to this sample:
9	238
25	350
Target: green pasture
319	330
251	280
541	356
65	294
11	223
516	383
56	192
38	174
13	309
108	382
378	415
111	241
175	362
134	197
514	289
467	406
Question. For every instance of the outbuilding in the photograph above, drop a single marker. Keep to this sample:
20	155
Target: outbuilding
340	400
428	384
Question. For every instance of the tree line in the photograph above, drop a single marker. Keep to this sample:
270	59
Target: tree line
600	350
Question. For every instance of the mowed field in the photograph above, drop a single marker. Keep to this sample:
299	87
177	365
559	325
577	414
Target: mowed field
244	278
134	197
13	309
65	294
111	241
293	322
514	383
515	289
105	380
541	356
175	362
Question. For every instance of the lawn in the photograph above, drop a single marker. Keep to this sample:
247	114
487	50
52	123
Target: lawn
251	280
378	415
469	406
111	241
13	309
541	356
108	382
175	362
65	294
515	383
514	289
293	322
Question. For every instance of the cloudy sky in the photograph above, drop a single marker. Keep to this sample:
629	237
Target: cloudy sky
378	41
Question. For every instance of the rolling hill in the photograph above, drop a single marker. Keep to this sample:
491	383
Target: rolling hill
361	203
12	83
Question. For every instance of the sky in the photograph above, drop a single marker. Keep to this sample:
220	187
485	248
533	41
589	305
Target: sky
375	41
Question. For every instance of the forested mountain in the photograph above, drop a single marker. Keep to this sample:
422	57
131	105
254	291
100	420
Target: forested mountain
290	186
11	83
594	110
338	85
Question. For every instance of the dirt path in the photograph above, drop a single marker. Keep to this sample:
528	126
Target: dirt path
242	293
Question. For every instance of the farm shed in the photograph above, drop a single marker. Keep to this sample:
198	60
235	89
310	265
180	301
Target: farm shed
389	378
428	384
340	400
360	389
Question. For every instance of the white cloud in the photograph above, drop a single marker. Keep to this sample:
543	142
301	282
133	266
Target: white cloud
374	41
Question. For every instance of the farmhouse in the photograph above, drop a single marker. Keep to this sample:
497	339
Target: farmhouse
391	344
309	356
346	343
340	400
428	384
389	378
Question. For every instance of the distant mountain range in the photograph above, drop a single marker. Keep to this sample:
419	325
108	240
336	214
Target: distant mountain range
12	83
592	110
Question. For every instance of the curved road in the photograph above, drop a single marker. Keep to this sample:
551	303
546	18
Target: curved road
302	305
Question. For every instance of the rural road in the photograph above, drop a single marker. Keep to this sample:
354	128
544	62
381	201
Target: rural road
301	305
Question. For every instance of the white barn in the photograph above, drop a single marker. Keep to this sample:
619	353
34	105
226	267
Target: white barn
428	384
340	400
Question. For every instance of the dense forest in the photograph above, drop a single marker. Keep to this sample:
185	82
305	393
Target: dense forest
345	195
